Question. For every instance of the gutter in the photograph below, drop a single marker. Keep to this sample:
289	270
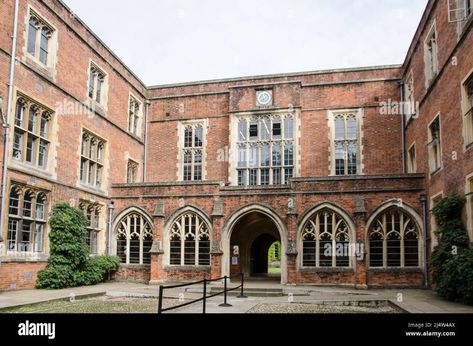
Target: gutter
145	160
6	124
403	130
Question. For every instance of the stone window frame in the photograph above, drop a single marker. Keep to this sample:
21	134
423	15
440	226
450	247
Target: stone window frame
359	116
434	199
41	23
412	159
94	212
174	228
98	73
235	143
310	226
412	217
132	169
431	52
193	150
96	161
466	87
36	217
434	145
135	115
409	102
24	129
461	14
142	234
469	204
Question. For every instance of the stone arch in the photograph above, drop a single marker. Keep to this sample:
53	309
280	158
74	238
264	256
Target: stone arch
173	217
310	212
236	216
394	203
147	221
406	209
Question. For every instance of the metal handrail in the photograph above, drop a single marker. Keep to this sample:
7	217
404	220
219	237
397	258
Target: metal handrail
205	296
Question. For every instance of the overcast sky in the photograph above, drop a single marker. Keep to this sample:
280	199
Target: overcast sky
170	41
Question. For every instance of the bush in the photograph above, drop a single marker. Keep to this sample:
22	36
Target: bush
69	264
452	259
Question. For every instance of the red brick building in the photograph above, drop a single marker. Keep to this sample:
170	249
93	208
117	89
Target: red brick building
199	179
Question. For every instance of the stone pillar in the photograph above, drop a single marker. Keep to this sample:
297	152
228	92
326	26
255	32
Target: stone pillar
157	251
216	244
361	279
291	248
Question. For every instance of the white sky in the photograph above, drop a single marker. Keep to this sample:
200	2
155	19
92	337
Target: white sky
170	41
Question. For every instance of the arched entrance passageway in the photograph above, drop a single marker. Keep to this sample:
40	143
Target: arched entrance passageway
251	238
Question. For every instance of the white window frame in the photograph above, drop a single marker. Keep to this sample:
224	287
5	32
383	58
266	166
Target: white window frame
467	110
103	98
94	161
430	146
95	224
412	161
181	127
41	139
433	223
123	227
52	41
34	219
134	165
135	117
359	116
410	104
431	58
236	143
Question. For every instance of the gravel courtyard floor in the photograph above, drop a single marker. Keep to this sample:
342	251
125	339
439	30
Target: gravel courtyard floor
107	304
319	309
96	305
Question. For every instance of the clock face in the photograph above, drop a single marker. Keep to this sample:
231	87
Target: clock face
264	98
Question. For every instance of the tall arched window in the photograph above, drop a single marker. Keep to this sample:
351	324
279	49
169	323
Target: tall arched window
325	240
134	239
394	240
189	241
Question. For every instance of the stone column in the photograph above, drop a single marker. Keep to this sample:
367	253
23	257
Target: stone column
157	251
361	279
216	244
291	248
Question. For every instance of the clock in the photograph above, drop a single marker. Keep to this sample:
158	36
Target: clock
264	98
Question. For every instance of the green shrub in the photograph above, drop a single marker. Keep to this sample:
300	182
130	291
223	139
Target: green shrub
452	259
69	264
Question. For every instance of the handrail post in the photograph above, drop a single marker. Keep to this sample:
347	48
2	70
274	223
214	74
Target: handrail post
205	296
160	301
225	304
242	295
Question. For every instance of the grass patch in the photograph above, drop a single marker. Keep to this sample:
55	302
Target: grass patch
95	305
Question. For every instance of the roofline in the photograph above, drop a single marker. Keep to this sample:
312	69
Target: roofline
290	74
101	42
420	28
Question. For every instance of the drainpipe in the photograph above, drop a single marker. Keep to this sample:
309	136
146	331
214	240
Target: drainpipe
425	210
110	208
403	130
145	161
6	124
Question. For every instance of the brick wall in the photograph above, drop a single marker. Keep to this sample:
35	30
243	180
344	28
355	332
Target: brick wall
19	275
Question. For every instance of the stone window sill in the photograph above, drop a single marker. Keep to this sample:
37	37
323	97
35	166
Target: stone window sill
327	270
396	270
187	268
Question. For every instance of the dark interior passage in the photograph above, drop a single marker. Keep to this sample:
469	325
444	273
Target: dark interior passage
251	239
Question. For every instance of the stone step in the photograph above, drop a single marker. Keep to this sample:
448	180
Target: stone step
249	292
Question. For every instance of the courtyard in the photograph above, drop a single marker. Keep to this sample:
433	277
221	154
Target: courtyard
263	298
